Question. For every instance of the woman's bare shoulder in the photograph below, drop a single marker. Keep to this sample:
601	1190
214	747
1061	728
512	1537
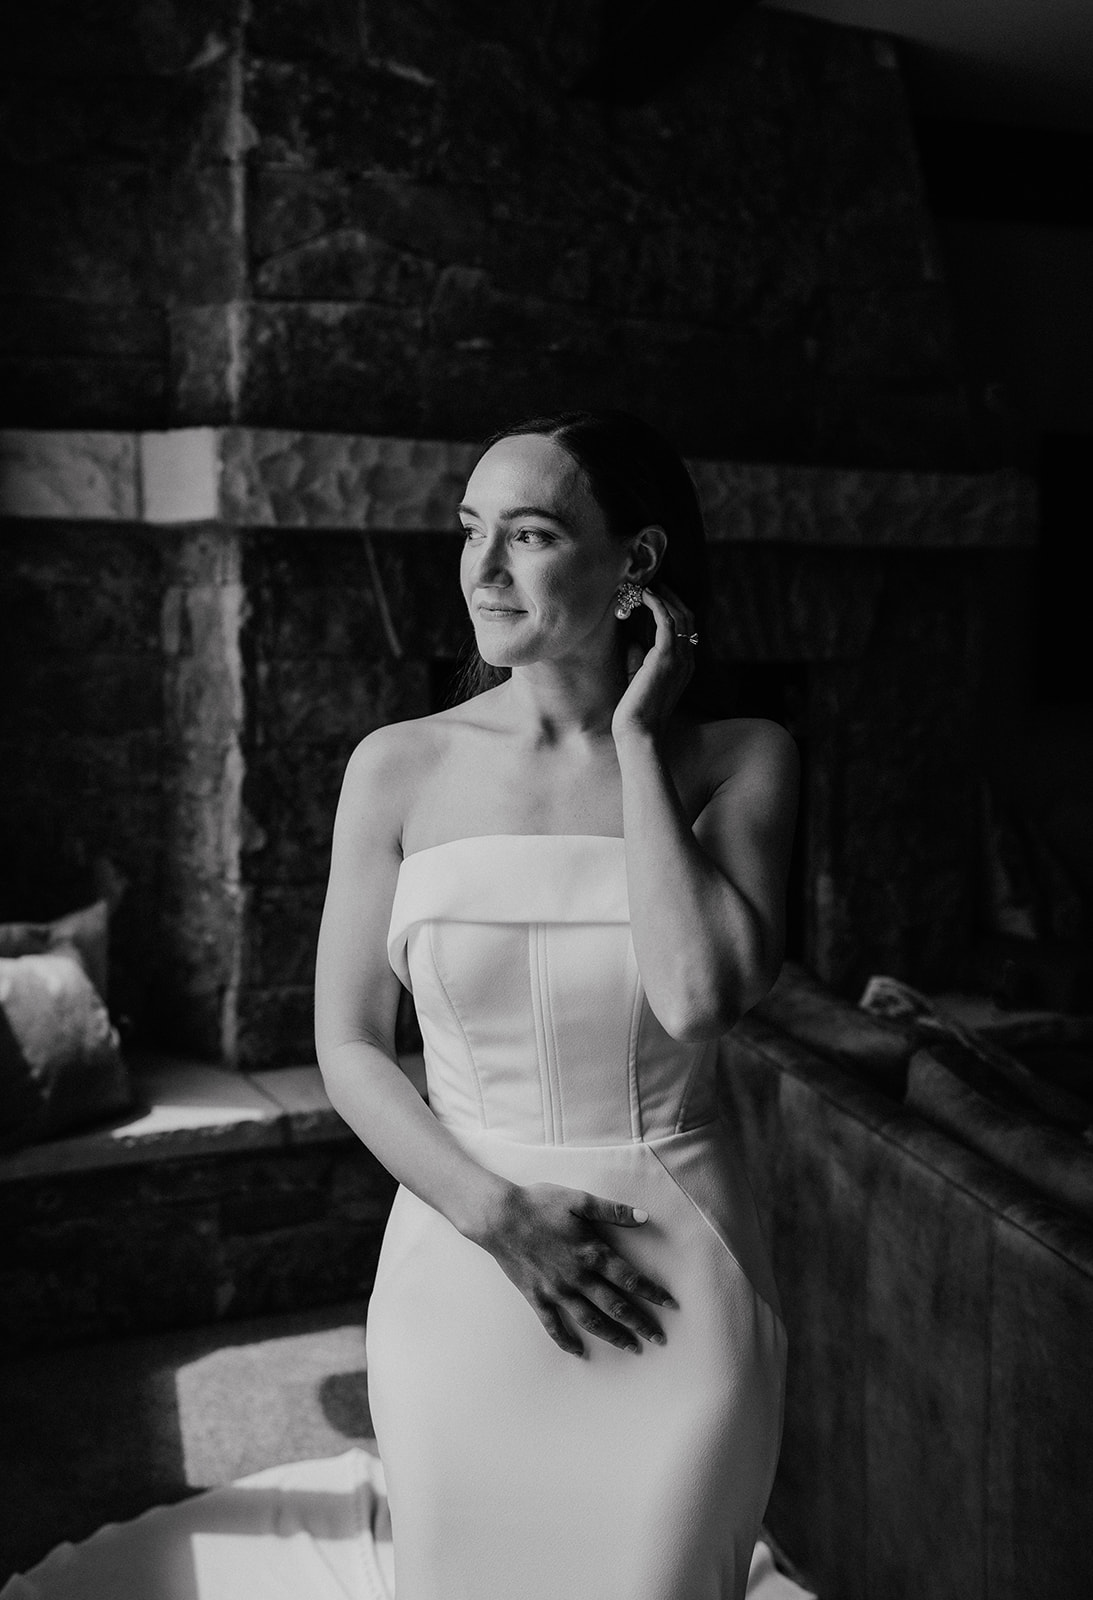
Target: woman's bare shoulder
389	766
737	746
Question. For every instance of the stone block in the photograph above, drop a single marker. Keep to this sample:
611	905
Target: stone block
280	935
370	117
117	1271
345	264
428	221
299	702
306	620
165	120
341	367
316	1264
70	38
277	1196
88	476
773	603
204	346
204	707
68	330
61	695
887	334
326	32
80	233
198	231
63	592
274	1027
287	478
925	427
199	556
81	391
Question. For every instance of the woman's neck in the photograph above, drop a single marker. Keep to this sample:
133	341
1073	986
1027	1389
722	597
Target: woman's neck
551	704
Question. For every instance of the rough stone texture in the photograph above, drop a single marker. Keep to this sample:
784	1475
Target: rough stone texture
187	1242
90	476
204	823
260	477
403	219
319	674
119	159
288	479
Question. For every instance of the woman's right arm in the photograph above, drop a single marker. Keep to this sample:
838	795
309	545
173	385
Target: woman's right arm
356	996
545	1237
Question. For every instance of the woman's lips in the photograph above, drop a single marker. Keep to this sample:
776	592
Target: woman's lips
499	611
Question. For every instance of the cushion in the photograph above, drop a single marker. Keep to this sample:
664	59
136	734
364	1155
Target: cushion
951	1088
986	1063
875	1047
88	929
60	1063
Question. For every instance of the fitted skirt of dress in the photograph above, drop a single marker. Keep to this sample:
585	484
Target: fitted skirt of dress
517	1471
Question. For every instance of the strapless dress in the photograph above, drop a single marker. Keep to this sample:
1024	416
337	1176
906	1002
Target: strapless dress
516	1471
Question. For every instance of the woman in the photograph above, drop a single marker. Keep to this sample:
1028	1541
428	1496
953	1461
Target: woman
583	885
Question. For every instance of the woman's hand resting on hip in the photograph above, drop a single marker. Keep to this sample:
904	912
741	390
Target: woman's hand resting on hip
549	1240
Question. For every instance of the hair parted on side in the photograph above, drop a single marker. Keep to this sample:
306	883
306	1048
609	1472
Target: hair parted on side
637	479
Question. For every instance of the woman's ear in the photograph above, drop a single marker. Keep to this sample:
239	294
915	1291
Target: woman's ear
646	554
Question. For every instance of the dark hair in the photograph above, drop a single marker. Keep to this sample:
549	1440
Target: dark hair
637	479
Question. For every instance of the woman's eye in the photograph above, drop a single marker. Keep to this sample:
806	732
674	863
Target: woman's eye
533	535
471	533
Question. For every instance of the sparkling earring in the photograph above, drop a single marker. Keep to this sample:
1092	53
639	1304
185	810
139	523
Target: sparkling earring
627	600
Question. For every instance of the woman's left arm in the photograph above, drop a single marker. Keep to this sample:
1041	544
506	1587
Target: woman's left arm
707	906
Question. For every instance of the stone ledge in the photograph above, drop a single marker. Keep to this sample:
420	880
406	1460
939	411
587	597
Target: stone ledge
194	1108
277	478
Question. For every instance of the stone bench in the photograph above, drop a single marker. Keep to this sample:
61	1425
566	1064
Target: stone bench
226	1195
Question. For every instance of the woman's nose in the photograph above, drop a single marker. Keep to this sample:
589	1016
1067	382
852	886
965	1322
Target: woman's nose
491	565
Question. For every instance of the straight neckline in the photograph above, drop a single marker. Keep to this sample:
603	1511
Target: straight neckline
476	838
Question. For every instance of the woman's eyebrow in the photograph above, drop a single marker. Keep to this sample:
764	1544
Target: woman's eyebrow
520	511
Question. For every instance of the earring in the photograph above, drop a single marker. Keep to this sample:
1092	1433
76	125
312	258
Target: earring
627	600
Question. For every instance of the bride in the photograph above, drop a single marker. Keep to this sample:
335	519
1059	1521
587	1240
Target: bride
583	884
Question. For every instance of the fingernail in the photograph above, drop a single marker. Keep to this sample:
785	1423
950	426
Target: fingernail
639	1215
657	1338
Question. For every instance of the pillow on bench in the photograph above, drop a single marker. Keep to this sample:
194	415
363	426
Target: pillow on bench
60	1062
87	929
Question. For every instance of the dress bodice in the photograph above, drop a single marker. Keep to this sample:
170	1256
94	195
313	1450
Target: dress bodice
534	1020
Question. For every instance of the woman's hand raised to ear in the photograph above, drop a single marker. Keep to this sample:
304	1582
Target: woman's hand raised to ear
548	1240
659	675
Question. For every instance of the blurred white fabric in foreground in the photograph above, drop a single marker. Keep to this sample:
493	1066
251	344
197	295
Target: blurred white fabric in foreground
312	1530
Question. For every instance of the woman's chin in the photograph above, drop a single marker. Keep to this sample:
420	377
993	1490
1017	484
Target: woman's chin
498	652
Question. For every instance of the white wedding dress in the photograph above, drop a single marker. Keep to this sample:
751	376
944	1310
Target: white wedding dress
512	1470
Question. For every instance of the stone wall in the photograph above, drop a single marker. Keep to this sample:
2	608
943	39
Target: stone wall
374	216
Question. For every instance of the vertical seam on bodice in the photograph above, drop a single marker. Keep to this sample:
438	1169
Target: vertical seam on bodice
535	978
430	926
552	1042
